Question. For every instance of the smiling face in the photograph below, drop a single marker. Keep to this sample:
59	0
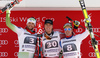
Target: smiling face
68	31
30	25
48	28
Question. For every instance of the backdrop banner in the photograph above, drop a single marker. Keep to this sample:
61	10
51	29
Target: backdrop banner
9	41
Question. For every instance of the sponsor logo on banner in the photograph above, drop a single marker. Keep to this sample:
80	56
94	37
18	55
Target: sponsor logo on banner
95	30
3	30
16	42
92	54
90	43
3	54
3	42
79	30
23	19
16	54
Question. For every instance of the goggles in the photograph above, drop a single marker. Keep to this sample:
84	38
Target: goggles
69	29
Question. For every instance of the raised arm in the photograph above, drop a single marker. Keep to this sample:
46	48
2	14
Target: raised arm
8	22
10	25
83	35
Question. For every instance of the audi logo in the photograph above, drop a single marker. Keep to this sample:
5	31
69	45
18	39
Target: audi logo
79	30
3	30
92	54
16	42
97	41
16	54
3	54
3	42
96	30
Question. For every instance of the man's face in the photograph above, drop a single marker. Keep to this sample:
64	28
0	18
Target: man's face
68	31
30	25
48	28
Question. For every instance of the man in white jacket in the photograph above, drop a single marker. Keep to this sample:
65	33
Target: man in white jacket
51	47
71	44
26	37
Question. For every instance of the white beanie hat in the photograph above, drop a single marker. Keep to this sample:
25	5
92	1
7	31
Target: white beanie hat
31	20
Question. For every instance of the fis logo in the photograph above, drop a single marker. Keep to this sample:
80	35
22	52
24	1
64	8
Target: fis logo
3	54
3	42
82	4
